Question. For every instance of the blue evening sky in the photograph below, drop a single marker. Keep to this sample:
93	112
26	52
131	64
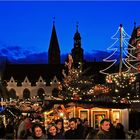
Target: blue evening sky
26	26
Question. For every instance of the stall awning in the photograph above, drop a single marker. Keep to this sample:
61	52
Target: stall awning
87	104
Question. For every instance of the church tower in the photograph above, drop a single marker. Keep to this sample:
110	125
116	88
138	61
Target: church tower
77	51
54	50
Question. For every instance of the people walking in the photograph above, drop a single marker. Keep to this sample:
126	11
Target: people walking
52	132
60	128
73	132
37	132
120	134
104	130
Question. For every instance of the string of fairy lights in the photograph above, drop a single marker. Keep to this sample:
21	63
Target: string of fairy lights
121	79
124	80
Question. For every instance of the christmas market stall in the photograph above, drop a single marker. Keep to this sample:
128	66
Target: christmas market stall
92	111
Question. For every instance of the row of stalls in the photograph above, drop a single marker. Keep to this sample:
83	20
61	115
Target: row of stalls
90	111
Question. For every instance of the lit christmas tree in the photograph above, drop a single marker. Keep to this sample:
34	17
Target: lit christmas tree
74	84
123	76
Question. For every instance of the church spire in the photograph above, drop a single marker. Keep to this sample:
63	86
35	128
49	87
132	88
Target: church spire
77	37
54	50
77	51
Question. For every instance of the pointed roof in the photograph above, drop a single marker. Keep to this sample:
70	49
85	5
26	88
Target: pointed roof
77	34
54	45
134	32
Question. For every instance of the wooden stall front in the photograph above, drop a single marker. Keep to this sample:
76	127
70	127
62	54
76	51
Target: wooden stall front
94	115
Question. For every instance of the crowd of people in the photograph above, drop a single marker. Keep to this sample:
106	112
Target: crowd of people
78	129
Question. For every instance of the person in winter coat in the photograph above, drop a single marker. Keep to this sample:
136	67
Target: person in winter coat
73	132
37	132
120	134
60	127
52	132
104	131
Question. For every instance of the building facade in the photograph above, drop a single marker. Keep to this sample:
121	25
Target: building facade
27	90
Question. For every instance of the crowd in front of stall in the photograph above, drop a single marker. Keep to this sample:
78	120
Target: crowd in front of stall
26	128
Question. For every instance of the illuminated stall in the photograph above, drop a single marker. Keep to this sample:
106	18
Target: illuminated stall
94	113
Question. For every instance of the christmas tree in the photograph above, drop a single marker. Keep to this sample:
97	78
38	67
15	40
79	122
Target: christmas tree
74	84
78	86
123	77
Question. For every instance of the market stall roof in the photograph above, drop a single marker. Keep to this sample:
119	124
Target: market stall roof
86	104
